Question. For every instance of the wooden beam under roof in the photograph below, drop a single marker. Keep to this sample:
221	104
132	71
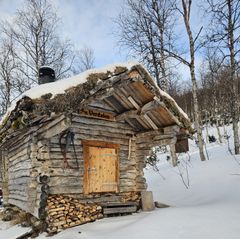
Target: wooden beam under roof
134	103
141	110
151	105
149	120
127	114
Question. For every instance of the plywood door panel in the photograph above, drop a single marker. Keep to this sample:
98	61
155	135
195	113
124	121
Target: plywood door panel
101	169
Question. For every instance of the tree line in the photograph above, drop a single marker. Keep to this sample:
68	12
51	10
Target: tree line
162	34
159	33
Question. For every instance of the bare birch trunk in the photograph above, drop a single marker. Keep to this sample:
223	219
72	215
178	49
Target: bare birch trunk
186	14
207	133
218	131
233	78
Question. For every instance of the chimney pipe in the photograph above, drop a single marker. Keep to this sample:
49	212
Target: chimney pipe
45	75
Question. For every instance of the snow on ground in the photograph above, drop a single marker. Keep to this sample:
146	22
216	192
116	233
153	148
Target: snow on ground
208	209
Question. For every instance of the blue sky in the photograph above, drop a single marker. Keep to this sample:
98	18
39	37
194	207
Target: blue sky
90	23
84	22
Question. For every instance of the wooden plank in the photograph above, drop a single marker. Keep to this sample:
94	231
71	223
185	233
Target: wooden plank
134	103
103	163
149	120
152	105
137	124
123	97
158	119
154	119
168	116
127	114
144	123
111	125
123	100
102	144
60	126
116	103
100	105
96	114
135	94
118	204
115	210
146	95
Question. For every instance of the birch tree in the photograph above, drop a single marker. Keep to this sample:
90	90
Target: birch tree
142	28
146	28
173	52
186	13
9	84
84	60
224	34
34	32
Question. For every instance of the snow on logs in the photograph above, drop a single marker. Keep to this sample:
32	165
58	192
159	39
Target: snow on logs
65	212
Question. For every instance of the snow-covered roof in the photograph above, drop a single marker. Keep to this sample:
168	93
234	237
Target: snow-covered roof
62	86
59	87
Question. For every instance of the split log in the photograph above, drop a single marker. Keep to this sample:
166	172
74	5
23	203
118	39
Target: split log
64	212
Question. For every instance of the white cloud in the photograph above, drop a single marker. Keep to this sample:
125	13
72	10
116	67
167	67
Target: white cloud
91	23
84	22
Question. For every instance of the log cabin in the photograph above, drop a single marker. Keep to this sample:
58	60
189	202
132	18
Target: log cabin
84	140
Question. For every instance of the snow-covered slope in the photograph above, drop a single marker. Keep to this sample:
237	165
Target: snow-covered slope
208	209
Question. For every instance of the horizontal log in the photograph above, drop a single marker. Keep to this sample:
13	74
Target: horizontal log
155	143
127	182
151	139
114	210
18	141
19	173
65	190
110	125
66	172
66	181
22	180
127	188
21	146
21	204
25	164
16	196
22	153
127	114
99	130
127	166
59	162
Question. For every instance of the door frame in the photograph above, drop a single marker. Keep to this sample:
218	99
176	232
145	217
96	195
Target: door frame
102	144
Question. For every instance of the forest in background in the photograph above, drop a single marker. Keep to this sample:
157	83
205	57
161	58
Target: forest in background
159	33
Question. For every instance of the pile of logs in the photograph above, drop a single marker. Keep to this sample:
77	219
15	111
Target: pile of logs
64	212
131	197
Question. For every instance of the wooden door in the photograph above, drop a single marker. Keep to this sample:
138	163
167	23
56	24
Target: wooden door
100	167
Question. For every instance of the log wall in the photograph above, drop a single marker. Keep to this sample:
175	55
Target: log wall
37	156
19	184
69	181
1	167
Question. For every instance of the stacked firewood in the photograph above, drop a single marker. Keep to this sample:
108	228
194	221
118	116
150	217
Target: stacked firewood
131	197
64	212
